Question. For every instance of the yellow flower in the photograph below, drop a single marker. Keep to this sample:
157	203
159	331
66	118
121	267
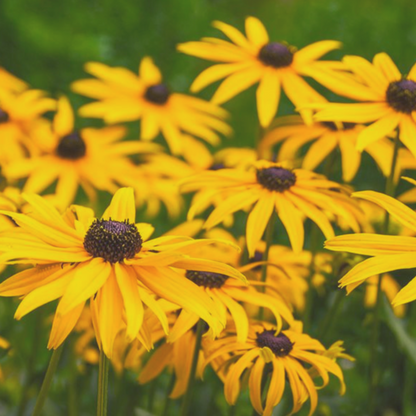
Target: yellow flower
124	96
90	158
388	252
251	59
388	99
108	261
19	113
326	137
292	194
285	352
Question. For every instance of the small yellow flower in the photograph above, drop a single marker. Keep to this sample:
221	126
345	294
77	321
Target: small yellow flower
325	137
388	99
91	158
124	96
285	351
294	195
251	59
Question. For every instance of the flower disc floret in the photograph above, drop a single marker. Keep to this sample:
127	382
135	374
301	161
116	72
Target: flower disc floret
157	94
332	126
276	178
113	241
401	95
206	279
71	147
276	54
280	344
4	117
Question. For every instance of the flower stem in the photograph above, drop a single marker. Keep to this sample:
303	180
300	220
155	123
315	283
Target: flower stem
331	314
265	258
373	379
167	398
188	395
53	363
102	385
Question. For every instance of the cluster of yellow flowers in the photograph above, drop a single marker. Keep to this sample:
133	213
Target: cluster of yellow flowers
236	303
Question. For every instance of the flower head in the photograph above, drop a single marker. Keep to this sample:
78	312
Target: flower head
388	99
253	58
124	96
293	194
109	261
275	356
91	158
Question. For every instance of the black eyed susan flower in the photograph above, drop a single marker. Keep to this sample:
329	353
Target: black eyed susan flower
124	96
20	112
108	261
90	158
387	252
279	356
294	195
388	99
325	137
253	58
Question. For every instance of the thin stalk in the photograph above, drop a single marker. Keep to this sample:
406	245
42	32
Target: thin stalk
151	397
373	381
331	314
307	314
53	364
408	399
189	391
31	362
269	241
102	396
167	398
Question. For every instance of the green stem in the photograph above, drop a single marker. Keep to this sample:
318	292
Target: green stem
189	391
31	362
307	314
331	314
72	387
102	396
151	397
409	369
373	381
167	398
53	363
265	258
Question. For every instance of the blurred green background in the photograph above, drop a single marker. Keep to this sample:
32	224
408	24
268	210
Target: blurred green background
47	42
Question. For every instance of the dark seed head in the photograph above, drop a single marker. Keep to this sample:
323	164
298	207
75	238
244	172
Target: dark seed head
276	55
276	179
206	279
113	241
4	117
332	126
217	166
157	94
401	95
279	344
258	256
71	147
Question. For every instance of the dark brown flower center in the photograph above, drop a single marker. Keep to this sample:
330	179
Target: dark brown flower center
217	166
279	344
157	94
401	95
276	179
206	279
4	117
71	147
276	54
332	126
113	241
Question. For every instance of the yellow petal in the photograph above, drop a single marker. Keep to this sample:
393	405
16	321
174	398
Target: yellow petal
268	96
122	206
63	122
